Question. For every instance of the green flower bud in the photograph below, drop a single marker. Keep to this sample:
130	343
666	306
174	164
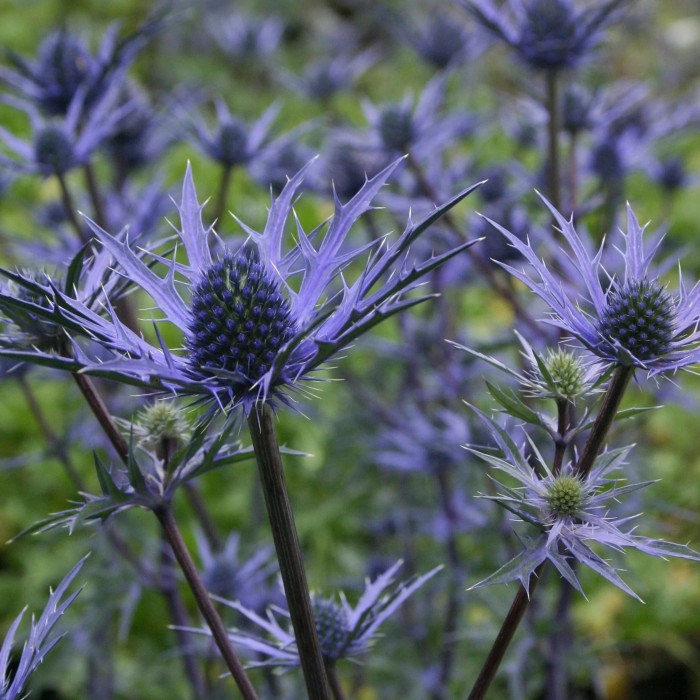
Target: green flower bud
565	496
161	427
567	372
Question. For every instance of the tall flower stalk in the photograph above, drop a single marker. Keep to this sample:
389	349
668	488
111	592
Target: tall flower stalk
279	509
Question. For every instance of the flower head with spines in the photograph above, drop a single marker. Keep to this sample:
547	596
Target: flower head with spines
64	68
344	630
632	321
255	320
232	142
568	511
547	34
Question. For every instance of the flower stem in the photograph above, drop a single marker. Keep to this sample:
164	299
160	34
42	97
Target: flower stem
505	635
174	538
264	436
71	211
101	412
222	196
613	396
178	614
560	444
206	607
95	195
596	439
553	156
334	681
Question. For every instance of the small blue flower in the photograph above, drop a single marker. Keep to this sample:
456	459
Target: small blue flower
323	79
247	36
547	34
633	320
441	40
64	67
61	144
344	630
420	128
233	141
227	575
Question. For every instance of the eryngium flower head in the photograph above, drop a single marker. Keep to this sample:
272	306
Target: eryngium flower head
343	630
233	141
228	575
559	374
240	317
60	144
440	39
64	67
634	320
569	512
256	320
547	34
161	427
421	127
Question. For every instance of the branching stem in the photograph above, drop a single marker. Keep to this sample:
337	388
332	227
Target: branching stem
596	440
175	540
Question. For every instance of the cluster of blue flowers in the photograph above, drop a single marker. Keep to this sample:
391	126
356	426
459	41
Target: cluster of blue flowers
406	207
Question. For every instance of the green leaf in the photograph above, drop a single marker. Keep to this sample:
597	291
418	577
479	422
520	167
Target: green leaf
512	404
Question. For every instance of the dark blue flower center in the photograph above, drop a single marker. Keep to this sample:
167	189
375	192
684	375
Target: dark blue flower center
62	66
53	150
240	318
396	128
233	142
549	36
641	317
331	626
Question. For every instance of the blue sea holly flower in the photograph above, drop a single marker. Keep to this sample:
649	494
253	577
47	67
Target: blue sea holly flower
419	126
344	630
571	516
547	34
64	67
255	320
323	79
633	319
61	144
233	142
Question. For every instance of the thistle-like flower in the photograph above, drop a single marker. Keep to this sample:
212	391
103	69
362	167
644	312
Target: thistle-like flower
634	320
321	80
569	512
343	630
419	128
559	374
233	142
226	574
60	144
441	40
255	320
247	37
547	34
64	67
